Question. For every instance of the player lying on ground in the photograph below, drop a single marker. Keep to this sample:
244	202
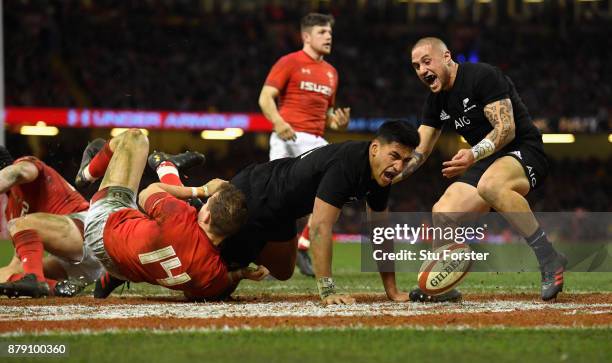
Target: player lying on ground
320	182
44	213
505	162
170	244
305	85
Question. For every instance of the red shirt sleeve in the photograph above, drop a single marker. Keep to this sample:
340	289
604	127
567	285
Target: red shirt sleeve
162	206
280	73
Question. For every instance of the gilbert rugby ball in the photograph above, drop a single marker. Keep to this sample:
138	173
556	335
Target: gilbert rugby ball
447	267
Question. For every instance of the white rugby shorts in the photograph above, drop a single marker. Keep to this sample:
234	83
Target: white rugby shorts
285	149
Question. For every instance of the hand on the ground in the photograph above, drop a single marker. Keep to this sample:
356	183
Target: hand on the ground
459	163
398	296
284	131
256	274
337	299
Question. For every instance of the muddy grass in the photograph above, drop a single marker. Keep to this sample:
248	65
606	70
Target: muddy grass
275	311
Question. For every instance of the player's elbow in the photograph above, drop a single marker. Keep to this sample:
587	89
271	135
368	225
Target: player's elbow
23	172
264	99
512	133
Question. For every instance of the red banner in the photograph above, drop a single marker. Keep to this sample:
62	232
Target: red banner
164	120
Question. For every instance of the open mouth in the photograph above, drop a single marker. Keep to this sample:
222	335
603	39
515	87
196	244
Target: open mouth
388	176
430	79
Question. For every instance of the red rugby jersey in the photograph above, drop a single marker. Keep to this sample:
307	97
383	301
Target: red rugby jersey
48	193
307	90
165	247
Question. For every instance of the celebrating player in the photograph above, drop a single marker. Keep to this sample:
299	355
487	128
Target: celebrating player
505	162
44	213
305	85
171	244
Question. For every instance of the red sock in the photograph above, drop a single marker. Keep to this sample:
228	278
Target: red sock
304	240
99	163
168	174
15	277
29	247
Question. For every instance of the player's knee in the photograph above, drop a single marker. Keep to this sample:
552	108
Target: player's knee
445	204
444	212
133	139
137	136
17	225
490	189
439	207
283	274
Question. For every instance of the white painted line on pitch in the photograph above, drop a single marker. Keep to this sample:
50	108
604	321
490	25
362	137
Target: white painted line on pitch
281	309
236	329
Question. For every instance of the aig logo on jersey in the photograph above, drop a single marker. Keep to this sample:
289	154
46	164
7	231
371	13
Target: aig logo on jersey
532	176
461	122
313	87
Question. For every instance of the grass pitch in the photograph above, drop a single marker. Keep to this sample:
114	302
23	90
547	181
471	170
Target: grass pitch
501	344
349	345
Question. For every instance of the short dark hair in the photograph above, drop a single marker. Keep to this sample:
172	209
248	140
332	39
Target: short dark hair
6	158
399	131
228	211
312	19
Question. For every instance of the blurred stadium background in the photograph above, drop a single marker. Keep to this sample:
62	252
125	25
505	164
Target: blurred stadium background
76	69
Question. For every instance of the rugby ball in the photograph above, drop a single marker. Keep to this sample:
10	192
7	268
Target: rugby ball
444	269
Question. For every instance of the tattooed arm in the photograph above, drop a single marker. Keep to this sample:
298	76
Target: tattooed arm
501	117
429	136
499	114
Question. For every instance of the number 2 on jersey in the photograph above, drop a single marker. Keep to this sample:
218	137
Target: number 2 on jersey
167	265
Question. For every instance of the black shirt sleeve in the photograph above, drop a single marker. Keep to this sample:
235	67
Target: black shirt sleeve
378	198
430	115
336	186
491	85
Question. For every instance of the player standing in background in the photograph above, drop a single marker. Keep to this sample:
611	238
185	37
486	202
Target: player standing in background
305	85
505	162
44	213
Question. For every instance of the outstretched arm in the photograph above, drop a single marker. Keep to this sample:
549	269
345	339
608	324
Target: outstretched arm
19	173
324	216
387	268
429	136
181	192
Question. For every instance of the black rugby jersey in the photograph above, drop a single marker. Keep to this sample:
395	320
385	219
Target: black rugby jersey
286	188
462	107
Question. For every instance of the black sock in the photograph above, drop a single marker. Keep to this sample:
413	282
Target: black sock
543	249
